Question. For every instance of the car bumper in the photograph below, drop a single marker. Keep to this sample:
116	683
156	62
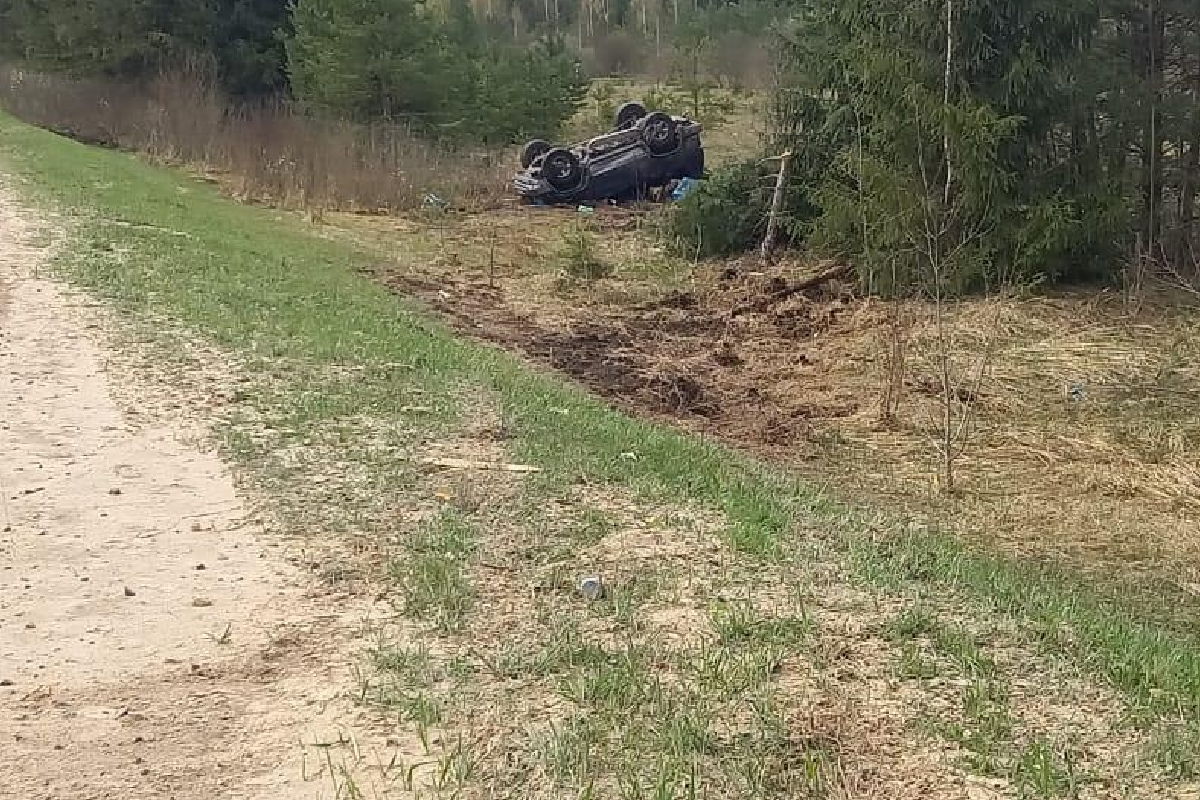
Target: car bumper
528	186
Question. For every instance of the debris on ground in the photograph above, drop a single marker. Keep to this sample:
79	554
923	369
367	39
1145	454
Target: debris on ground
592	588
431	202
464	463
682	188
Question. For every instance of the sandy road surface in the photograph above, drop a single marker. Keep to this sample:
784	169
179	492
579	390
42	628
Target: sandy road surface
152	642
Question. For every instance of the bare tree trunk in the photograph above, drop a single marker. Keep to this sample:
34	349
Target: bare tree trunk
895	358
1187	201
1152	140
1191	175
943	343
658	34
946	99
768	243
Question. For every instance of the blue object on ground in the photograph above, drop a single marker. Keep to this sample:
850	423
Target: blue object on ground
683	188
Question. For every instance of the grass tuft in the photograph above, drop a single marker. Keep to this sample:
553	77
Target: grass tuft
432	572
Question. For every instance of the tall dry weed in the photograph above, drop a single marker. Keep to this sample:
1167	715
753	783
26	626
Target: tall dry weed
267	151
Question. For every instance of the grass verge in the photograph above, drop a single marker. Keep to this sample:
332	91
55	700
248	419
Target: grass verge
336	354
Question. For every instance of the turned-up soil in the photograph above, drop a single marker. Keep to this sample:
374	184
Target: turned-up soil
1076	438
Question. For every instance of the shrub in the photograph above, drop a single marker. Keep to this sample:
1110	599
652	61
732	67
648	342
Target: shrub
724	215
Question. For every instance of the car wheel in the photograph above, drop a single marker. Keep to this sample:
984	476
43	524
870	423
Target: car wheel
533	150
660	133
695	168
562	169
628	115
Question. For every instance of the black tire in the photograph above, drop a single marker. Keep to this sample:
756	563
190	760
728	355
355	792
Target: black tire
660	133
628	115
532	150
695	165
562	169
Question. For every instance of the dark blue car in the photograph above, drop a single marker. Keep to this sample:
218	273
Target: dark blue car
645	152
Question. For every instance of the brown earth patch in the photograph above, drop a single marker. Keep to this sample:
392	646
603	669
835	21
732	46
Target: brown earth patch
684	357
726	350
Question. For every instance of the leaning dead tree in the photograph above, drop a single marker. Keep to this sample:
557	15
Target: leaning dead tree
768	243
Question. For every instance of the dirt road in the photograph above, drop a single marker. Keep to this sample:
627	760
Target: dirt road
153	642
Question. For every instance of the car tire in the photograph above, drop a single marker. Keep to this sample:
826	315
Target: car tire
695	165
562	169
533	149
660	133
628	115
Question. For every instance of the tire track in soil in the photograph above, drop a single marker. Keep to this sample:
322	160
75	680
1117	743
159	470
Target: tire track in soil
686	359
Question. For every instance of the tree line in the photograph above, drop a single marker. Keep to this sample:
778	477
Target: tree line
480	71
956	144
432	68
952	144
131	39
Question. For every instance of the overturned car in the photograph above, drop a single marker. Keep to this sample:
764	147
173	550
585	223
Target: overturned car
645	151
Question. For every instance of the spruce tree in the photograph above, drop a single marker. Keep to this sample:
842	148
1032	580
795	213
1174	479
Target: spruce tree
368	59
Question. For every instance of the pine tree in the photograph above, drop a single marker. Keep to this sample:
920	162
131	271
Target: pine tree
368	59
395	59
248	44
989	151
132	39
117	38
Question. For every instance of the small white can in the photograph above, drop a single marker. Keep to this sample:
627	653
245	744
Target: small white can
592	587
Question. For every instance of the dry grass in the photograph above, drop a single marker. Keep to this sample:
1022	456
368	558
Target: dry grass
264	153
1084	441
1107	481
705	673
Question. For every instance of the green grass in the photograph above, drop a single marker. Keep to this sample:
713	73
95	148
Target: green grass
1176	747
1157	667
613	684
740	623
1042	771
685	735
984	728
431	572
563	648
330	349
405	680
952	641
